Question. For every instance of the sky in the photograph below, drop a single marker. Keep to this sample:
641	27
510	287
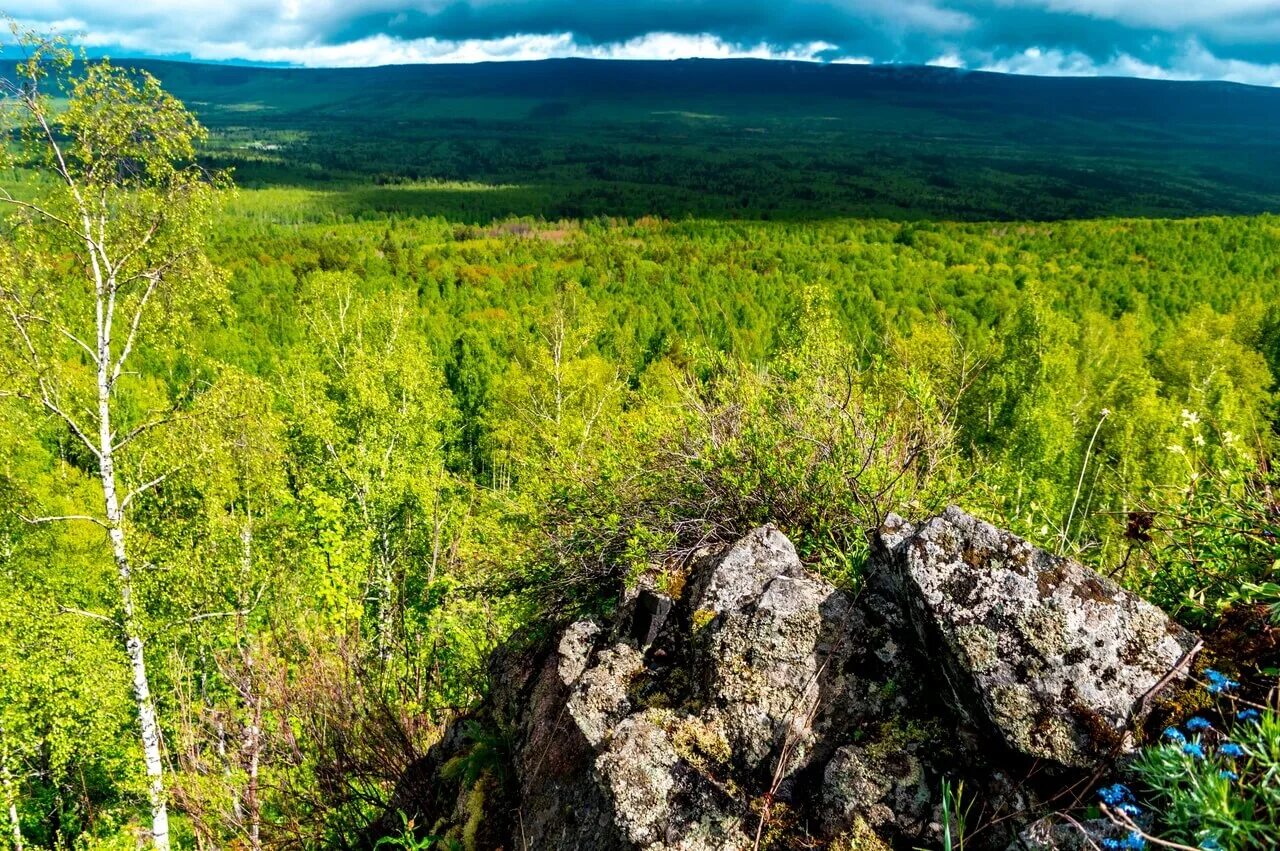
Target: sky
1237	40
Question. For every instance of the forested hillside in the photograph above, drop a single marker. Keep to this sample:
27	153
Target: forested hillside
374	421
744	139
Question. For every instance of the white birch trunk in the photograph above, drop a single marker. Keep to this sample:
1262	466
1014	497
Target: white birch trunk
11	800
149	727
253	742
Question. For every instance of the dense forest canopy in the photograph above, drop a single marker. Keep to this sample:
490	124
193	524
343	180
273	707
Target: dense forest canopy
470	348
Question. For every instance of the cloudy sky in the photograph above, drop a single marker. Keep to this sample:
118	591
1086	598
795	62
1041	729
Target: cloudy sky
1186	39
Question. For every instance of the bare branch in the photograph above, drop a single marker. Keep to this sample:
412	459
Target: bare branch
65	173
54	408
1121	819
114	269
138	431
64	518
152	283
232	613
155	271
1084	833
7	198
141	489
45	398
81	343
68	610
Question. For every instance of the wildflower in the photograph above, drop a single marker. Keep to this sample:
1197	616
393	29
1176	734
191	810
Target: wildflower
1210	843
1219	682
1198	440
1114	794
1193	750
1129	809
1198	724
1189	418
1134	841
1228	774
1173	734
1231	750
1247	715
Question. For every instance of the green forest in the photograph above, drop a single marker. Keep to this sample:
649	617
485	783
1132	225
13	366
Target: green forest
300	453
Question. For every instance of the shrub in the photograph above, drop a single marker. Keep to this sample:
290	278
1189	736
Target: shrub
1214	543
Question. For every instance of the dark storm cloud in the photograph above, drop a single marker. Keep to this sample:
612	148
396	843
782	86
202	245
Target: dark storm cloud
752	21
1239	39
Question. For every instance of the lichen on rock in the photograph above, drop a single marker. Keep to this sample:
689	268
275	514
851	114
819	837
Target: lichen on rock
765	700
1041	649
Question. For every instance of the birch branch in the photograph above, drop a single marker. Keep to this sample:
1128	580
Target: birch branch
64	518
69	610
141	489
152	283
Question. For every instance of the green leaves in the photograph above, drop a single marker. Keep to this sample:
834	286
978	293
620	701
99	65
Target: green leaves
1232	800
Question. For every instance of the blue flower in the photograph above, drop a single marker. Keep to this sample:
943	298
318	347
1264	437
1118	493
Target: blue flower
1248	715
1193	750
1129	809
1230	749
1173	734
1116	793
1228	774
1198	724
1210	843
1133	842
1219	682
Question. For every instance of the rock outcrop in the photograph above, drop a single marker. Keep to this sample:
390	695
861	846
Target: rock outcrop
1051	656
762	706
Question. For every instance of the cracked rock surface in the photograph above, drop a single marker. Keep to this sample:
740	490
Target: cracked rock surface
765	700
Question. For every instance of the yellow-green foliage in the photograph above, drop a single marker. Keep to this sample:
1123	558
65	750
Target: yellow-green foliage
389	443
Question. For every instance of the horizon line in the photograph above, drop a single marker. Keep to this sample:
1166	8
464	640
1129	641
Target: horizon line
628	60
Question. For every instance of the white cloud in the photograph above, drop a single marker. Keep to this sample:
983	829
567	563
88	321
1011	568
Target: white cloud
1192	62
1164	14
947	60
660	45
320	33
384	50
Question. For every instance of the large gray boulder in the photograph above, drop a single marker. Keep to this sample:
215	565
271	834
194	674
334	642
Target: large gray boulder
1057	660
763	690
771	640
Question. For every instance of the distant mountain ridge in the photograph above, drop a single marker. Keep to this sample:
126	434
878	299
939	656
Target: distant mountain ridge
753	138
594	77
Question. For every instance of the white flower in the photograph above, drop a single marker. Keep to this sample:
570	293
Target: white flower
1106	412
1189	418
1198	440
1177	450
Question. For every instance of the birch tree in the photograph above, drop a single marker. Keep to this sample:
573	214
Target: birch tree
370	424
102	263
